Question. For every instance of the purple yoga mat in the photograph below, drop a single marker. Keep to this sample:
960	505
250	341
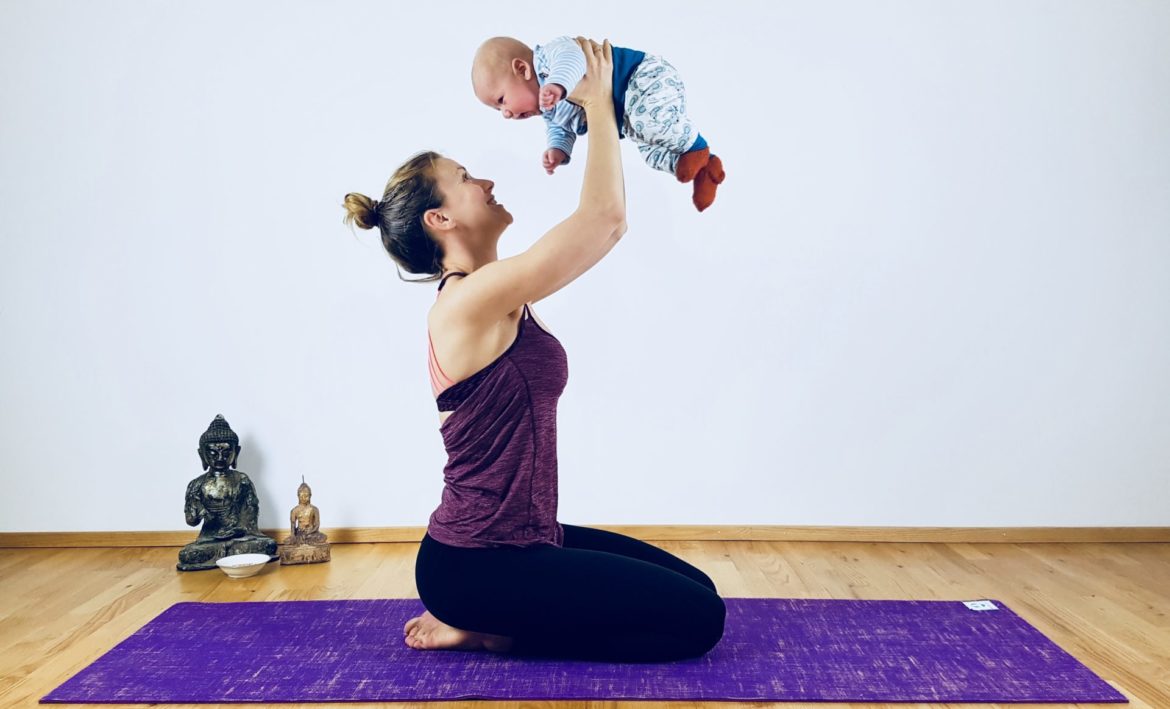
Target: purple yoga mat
773	649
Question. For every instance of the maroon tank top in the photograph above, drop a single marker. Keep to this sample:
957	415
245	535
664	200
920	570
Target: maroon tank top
500	480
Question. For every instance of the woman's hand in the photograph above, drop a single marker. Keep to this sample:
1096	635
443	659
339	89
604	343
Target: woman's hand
596	88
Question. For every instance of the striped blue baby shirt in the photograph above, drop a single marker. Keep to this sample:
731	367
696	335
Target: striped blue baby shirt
561	61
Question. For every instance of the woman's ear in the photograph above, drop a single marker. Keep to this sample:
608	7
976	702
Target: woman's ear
436	220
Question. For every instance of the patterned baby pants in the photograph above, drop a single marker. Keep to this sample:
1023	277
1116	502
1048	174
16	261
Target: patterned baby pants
656	114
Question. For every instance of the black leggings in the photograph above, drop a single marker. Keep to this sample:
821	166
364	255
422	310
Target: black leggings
603	597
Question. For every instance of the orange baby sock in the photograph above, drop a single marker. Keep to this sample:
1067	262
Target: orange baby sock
707	179
690	163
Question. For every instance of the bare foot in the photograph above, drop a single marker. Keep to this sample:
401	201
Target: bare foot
426	632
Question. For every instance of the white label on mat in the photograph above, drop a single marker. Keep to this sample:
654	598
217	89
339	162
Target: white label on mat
980	605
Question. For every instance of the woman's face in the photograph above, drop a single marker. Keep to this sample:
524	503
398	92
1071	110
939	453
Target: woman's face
468	201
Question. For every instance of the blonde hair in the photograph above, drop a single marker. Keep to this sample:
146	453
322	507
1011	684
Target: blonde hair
410	192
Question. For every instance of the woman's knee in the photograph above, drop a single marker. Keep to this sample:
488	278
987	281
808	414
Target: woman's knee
704	579
705	629
714	619
706	614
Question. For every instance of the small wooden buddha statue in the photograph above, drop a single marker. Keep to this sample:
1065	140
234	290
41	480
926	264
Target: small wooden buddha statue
305	544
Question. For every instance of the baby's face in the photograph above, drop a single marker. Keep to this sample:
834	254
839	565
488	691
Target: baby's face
506	89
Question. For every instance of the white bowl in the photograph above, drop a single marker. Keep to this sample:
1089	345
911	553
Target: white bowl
240	566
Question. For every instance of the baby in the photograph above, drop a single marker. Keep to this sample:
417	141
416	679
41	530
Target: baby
649	103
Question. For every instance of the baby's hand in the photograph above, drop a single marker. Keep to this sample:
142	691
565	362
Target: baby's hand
550	94
553	157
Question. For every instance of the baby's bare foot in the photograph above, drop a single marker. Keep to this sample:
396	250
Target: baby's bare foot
426	632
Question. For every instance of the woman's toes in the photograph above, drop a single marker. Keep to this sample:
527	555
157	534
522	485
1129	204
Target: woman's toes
415	622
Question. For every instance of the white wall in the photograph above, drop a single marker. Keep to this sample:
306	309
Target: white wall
934	289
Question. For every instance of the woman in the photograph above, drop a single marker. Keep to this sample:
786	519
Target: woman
495	570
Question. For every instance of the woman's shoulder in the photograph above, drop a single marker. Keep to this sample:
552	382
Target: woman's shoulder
442	310
447	316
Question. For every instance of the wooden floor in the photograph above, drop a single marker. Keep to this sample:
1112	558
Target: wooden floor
1106	604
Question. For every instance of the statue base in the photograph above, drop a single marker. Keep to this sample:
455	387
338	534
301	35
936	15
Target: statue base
304	553
201	554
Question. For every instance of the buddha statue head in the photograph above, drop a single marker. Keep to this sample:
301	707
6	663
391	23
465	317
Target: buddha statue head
219	446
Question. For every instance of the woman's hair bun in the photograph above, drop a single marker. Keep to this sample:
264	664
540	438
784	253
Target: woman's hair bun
361	210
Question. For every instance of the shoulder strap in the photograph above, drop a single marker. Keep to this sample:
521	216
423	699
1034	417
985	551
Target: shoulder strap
453	273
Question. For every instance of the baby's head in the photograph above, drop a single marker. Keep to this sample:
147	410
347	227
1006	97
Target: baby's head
503	77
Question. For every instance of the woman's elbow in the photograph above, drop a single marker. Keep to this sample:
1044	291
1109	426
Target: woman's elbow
615	220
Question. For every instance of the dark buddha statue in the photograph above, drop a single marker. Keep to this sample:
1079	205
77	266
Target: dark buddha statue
225	500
